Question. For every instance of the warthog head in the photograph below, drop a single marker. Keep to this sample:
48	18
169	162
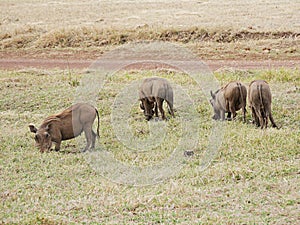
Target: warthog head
147	107
42	137
212	101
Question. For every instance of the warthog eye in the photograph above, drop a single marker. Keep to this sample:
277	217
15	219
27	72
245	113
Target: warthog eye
47	135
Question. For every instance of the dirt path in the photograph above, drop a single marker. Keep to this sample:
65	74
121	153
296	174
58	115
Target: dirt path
49	63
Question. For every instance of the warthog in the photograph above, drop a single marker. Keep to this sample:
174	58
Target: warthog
66	125
230	98
152	94
260	99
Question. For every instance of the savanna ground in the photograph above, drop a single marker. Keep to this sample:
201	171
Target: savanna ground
254	178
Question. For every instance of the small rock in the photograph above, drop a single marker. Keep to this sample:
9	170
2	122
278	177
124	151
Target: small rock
188	153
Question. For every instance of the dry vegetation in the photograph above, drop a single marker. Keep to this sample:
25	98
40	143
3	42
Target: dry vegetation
212	29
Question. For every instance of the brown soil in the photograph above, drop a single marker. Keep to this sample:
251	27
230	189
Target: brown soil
83	59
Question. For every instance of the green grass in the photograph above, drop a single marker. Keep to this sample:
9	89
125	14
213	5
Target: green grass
253	179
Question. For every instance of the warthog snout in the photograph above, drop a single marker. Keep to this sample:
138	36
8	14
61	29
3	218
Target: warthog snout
149	114
215	117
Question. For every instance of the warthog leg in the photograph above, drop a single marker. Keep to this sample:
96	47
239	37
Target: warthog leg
155	109
222	114
170	109
255	118
266	118
94	135
244	114
272	120
261	117
232	109
88	135
268	109
159	102
228	116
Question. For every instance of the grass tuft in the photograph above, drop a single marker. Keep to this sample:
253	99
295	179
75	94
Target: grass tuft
85	37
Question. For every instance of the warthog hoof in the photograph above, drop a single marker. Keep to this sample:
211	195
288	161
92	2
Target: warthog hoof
84	150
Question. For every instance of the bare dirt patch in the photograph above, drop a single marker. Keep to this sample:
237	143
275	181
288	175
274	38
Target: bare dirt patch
82	60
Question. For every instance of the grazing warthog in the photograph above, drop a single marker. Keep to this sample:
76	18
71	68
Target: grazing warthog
260	99
230	98
152	94
67	125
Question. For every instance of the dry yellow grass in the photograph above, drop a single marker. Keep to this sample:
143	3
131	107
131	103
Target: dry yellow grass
259	14
256	29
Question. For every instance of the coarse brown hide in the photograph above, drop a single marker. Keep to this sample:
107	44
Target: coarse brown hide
230	98
152	94
67	125
260	99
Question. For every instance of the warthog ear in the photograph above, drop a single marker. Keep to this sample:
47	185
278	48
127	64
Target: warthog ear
212	94
32	128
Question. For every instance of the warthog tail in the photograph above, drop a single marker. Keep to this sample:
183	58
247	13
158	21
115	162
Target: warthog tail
169	100
259	89
170	107
241	93
98	134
